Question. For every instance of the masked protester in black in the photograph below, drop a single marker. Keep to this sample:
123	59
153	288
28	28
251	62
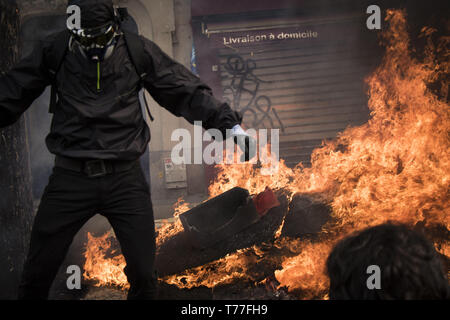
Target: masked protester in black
98	134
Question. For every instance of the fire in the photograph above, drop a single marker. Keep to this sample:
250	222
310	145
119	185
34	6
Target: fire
252	177
394	167
397	165
232	267
170	229
443	248
306	271
98	267
105	266
180	206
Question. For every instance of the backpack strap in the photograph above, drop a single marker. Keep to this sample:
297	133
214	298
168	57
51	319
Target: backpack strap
59	50
136	52
55	58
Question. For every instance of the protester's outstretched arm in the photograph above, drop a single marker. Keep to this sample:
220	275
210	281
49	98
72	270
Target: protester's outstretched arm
21	85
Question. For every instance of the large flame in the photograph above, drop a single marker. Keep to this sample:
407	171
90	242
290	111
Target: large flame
395	167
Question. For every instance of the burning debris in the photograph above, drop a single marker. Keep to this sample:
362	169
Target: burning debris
103	263
396	167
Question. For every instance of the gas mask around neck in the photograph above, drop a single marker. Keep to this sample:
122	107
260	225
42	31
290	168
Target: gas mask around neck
96	44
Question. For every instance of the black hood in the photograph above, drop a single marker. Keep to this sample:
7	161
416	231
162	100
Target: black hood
94	13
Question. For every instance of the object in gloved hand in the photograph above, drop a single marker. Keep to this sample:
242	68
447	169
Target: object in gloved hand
245	142
225	215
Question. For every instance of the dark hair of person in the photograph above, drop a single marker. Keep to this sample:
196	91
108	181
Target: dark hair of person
410	267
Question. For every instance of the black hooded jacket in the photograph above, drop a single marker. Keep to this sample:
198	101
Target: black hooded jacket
98	115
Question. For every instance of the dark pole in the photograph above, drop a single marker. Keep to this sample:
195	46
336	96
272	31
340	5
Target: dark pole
16	203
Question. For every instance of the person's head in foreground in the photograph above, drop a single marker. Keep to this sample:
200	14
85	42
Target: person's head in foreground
386	262
99	25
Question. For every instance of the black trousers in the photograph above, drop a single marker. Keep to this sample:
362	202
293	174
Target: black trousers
69	201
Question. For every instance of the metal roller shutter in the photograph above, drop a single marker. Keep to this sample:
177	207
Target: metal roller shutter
309	87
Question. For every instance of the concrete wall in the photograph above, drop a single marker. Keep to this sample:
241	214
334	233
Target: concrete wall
167	23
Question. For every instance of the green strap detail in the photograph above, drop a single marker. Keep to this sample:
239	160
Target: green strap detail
98	75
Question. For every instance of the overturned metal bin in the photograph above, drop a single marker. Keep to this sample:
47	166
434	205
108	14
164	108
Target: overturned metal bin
225	215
